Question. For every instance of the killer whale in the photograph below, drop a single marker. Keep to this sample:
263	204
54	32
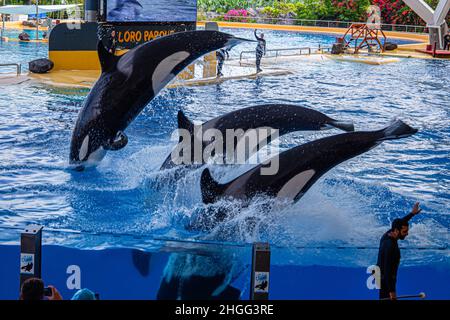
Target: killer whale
205	276
128	83
284	117
299	167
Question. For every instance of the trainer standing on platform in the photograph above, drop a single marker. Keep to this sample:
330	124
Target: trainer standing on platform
389	254
260	50
221	55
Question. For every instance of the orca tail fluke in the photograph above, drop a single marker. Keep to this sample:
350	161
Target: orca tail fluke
210	188
137	3
397	130
343	125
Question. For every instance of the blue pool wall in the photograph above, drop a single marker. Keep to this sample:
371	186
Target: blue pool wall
112	274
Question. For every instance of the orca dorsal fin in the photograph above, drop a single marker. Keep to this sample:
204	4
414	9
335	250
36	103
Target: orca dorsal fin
107	59
210	188
184	122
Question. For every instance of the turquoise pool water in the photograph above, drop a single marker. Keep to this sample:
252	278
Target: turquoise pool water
351	206
20	52
14	33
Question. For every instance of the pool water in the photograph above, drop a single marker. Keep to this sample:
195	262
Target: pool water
14	33
350	206
19	51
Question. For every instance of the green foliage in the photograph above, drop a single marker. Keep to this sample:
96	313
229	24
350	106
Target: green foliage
351	10
315	10
271	12
397	12
348	10
223	6
201	16
285	7
279	9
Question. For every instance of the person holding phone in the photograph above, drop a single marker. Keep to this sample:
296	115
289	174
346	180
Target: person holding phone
389	253
33	289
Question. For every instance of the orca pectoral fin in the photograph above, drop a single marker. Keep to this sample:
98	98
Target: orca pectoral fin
107	60
343	125
210	188
234	41
118	143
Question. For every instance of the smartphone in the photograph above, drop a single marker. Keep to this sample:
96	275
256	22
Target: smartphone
48	292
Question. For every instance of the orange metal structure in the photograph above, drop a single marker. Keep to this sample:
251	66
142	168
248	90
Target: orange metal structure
368	36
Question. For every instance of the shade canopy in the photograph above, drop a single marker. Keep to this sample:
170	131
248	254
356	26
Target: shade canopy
32	9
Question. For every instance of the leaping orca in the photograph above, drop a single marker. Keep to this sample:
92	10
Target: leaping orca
128	83
300	167
283	117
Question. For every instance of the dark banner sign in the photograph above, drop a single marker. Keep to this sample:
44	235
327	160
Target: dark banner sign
71	37
151	10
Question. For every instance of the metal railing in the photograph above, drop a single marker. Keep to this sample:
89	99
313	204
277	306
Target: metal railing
17	65
320	23
324	49
237	244
298	51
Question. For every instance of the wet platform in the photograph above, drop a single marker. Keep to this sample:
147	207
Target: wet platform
87	78
218	80
372	60
67	78
12	79
435	53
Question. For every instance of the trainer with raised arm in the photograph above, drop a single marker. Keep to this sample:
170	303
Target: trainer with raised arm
389	254
260	50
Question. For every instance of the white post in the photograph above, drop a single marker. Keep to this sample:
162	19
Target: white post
435	19
422	9
3	24
439	20
37	19
441	12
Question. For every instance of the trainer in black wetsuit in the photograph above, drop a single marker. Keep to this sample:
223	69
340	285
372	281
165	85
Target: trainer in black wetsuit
221	54
260	50
111	42
447	41
389	254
